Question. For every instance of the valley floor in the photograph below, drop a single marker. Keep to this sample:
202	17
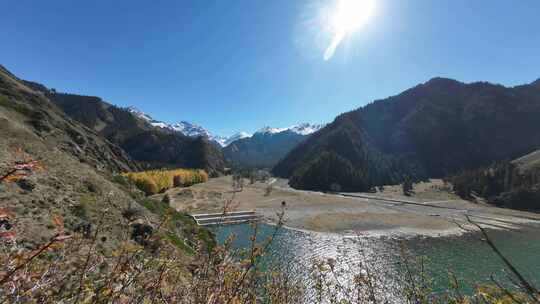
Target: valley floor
431	211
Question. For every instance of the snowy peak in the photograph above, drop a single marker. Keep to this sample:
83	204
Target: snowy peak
228	140
184	127
306	128
187	128
139	113
194	130
269	130
301	129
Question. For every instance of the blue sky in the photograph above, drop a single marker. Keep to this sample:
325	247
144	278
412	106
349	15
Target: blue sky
239	65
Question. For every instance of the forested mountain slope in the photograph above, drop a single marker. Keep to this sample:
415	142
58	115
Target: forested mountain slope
262	150
267	146
513	184
434	129
153	147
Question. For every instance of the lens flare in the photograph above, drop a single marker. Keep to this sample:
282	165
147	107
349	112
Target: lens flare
349	16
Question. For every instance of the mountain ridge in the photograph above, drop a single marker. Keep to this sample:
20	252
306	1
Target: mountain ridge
431	130
195	130
151	146
267	146
71	167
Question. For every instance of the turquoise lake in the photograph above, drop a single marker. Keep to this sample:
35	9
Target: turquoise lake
469	258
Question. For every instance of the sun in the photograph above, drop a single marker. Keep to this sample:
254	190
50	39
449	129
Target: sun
351	15
348	16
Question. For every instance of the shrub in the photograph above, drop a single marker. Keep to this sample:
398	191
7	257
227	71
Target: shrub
90	186
177	181
407	187
131	213
148	186
21	108
81	210
335	187
166	199
71	269
121	180
268	190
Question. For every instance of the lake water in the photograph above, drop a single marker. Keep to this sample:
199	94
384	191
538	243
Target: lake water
469	258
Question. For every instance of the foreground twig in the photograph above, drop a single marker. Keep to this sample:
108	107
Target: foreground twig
531	291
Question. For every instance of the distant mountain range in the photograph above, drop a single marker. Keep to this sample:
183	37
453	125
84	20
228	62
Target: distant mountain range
155	143
184	127
267	146
432	130
194	130
263	149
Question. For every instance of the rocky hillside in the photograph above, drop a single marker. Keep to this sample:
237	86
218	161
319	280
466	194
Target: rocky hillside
150	145
70	173
31	114
56	173
434	129
267	146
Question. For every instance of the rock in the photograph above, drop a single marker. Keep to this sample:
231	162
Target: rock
141	233
85	228
90	186
26	184
5	224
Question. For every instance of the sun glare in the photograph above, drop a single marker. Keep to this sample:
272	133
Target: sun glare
349	16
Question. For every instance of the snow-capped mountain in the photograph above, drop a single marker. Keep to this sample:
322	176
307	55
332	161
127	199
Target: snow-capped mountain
187	128
228	140
194	130
270	130
191	130
306	128
301	129
267	146
139	113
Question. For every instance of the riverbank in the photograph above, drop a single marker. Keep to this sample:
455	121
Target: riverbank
431	211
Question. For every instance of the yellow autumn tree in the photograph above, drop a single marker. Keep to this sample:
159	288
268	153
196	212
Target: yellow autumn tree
155	181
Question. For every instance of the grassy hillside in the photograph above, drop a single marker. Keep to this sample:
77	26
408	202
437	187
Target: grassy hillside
53	168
